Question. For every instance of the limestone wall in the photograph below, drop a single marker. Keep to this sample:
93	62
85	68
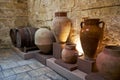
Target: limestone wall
41	12
13	13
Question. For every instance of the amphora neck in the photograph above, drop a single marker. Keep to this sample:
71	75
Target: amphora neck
60	14
92	21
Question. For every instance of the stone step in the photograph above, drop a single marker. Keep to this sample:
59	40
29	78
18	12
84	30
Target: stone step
70	75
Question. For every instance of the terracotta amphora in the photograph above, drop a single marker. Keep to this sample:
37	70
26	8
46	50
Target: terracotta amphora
90	35
61	27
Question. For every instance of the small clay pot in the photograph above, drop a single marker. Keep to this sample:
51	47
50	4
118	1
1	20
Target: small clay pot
108	62
70	54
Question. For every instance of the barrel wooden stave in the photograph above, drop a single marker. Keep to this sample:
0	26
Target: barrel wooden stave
25	37
12	34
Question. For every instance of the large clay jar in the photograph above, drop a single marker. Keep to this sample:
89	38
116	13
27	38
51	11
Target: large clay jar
61	27
70	54
44	40
90	35
108	62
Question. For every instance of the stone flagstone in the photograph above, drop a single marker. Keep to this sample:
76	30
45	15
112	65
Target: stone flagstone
1	75
8	65
13	67
8	72
23	76
0	68
36	65
13	77
24	62
55	76
39	71
21	69
42	77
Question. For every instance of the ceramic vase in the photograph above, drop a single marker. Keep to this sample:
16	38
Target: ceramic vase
108	63
90	35
61	27
70	54
44	40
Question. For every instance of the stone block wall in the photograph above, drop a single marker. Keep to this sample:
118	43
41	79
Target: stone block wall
13	13
41	12
109	12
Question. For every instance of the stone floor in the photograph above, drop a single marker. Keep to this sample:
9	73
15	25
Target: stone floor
13	67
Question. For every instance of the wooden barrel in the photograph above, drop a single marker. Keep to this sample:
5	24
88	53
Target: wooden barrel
13	35
25	37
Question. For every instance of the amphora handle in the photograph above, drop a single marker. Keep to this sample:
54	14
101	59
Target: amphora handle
103	24
81	24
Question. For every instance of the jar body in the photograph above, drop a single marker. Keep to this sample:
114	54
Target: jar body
90	35
69	54
61	27
108	62
44	40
